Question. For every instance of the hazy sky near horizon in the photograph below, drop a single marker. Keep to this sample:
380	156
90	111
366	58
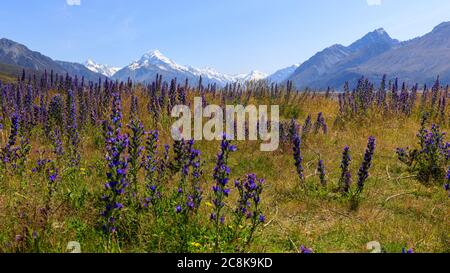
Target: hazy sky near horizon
232	36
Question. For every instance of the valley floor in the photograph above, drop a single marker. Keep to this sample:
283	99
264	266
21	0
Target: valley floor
395	209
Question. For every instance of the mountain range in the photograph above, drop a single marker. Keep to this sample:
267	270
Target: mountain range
154	62
18	57
103	69
282	74
14	57
330	66
420	60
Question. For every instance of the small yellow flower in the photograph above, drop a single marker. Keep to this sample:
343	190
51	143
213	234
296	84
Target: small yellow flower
194	244
209	204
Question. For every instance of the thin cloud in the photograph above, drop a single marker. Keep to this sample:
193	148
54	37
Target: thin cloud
374	2
73	2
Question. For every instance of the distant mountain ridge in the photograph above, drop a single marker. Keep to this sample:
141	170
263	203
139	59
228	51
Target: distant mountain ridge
19	56
80	71
330	66
16	54
282	74
419	60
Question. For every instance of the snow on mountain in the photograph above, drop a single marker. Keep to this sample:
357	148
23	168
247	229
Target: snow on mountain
103	69
157	59
154	62
212	75
255	75
282	74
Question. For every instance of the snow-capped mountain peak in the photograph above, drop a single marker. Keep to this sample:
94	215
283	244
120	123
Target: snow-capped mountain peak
256	75
156	55
103	69
154	62
156	58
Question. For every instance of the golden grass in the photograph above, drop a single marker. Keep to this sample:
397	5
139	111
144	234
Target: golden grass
395	210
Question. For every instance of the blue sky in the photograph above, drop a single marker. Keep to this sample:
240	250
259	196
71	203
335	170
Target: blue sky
232	36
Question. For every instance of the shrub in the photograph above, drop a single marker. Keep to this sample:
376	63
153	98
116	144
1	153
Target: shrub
429	161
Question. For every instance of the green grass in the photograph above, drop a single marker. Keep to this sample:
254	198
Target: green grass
9	73
395	209
6	78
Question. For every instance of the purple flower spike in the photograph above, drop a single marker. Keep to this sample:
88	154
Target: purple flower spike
116	147
363	173
305	250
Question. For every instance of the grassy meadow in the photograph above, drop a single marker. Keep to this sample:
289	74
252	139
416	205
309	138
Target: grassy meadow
394	208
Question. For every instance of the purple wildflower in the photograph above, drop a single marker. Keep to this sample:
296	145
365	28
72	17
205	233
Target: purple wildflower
346	177
221	177
55	114
248	205
178	209
250	190
134	151
221	174
307	126
72	131
58	149
322	174
363	173
8	153
116	145
407	251
305	250
320	124
296	141
151	169
262	218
